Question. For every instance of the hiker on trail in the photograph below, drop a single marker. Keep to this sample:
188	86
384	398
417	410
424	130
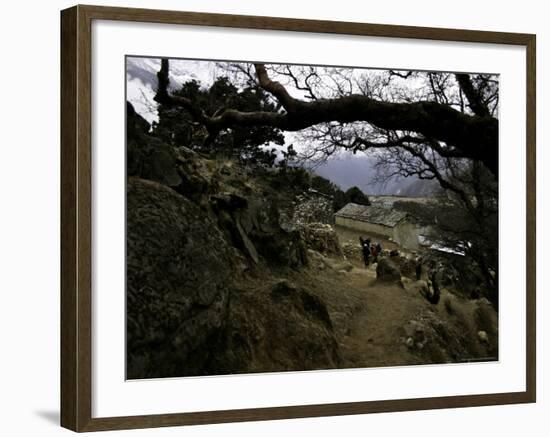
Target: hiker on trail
378	250
375	251
434	297
365	247
418	268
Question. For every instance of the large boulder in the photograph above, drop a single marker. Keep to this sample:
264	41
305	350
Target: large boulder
387	271
278	244
178	270
274	328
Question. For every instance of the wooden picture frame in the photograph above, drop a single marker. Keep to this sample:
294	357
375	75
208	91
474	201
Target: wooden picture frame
76	218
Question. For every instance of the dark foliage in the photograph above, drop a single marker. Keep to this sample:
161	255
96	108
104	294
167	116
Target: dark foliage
248	144
355	195
298	179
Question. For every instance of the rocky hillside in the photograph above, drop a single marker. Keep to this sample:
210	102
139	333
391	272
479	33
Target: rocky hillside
208	247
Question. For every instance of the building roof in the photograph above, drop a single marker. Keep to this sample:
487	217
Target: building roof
390	199
378	214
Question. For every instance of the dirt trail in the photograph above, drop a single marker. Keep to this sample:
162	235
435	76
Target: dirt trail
376	331
368	317
372	320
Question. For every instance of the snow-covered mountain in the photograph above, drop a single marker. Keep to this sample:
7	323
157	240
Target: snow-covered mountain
141	80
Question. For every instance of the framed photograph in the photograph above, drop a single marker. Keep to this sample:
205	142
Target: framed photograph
268	218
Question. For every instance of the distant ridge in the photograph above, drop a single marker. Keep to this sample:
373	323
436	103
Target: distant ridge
354	170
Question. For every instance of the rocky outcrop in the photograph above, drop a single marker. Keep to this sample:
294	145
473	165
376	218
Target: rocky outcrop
322	238
178	270
186	312
197	179
277	327
254	226
200	233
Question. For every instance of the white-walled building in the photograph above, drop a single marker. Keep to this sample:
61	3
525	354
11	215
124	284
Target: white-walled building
383	220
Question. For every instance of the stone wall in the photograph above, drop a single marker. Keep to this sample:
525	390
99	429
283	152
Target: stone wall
313	208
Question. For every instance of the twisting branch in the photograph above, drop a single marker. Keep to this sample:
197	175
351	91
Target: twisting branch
275	88
470	136
307	88
164	97
401	75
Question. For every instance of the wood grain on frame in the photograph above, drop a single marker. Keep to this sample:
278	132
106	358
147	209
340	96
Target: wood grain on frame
76	238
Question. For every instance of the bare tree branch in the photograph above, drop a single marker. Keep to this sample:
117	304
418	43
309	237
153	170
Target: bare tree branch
469	136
